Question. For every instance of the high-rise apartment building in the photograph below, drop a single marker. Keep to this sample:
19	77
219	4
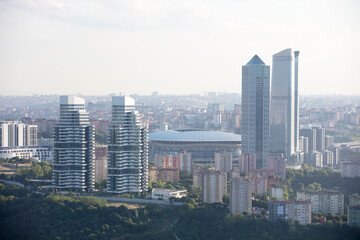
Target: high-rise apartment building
278	166
354	210
276	191
214	186
255	110
127	149
164	174
304	144
223	161
350	169
323	201
186	161
290	210
311	135
73	163
284	120
320	139
247	161
17	134
240	195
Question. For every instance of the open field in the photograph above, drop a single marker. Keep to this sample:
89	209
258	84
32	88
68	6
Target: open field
10	168
127	205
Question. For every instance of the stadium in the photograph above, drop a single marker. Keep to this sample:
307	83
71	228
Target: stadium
203	144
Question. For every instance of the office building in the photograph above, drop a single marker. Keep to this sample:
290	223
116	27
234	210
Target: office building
284	118
323	201
255	132
74	137
278	166
290	210
247	161
240	195
223	161
127	149
17	134
214	186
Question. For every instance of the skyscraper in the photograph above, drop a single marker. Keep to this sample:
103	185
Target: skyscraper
127	149
255	110
73	164
284	120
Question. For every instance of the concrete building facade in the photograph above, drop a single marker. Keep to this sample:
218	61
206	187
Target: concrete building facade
214	186
323	201
240	195
290	210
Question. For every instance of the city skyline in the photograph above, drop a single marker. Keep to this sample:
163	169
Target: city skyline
146	46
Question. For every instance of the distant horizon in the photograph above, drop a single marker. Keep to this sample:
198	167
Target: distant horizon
160	94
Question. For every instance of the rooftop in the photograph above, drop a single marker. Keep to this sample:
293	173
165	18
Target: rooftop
194	136
256	60
166	190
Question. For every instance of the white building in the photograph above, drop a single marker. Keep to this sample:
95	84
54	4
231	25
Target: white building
17	134
73	164
164	193
41	153
323	201
255	124
240	195
284	123
127	149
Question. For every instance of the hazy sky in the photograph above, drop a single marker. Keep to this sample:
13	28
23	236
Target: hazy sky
184	46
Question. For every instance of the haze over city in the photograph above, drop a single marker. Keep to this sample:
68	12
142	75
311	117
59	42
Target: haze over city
173	47
179	119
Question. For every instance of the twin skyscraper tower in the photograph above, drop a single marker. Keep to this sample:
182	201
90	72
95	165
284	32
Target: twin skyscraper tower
74	148
270	109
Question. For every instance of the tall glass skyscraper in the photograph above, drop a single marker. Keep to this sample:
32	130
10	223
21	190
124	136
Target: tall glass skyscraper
127	149
284	121
255	110
73	164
